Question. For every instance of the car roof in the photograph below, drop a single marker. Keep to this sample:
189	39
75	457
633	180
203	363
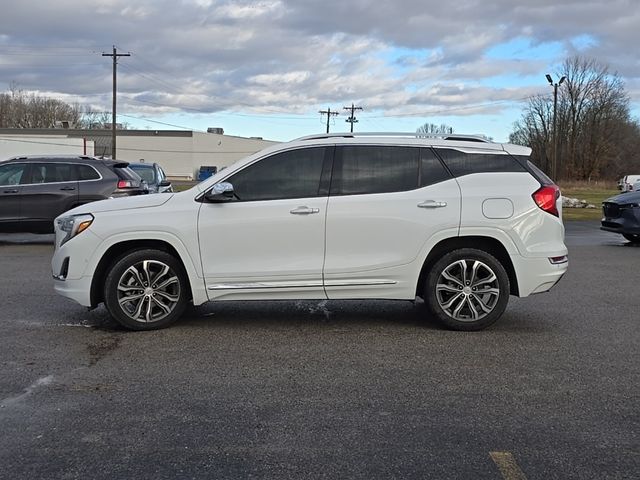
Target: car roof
65	158
143	165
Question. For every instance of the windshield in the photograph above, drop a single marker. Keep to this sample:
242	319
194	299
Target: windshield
146	173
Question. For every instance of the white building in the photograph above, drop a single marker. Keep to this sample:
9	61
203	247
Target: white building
15	145
180	153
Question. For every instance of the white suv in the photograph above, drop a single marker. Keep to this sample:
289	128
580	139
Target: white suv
459	221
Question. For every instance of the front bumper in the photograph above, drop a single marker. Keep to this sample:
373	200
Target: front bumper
621	219
71	277
75	289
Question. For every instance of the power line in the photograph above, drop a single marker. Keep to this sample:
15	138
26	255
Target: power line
352	118
328	113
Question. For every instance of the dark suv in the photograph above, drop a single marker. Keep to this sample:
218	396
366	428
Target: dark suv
35	190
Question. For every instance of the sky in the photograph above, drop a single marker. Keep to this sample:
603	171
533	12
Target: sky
266	68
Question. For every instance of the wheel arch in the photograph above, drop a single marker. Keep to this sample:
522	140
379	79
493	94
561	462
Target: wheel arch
490	245
120	249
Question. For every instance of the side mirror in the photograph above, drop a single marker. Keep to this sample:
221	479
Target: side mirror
164	183
220	192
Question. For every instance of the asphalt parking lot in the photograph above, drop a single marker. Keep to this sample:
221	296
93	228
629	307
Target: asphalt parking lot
325	389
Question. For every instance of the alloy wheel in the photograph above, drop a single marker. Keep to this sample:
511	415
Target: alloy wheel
467	290
148	291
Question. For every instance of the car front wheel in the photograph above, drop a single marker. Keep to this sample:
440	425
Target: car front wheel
467	289
146	290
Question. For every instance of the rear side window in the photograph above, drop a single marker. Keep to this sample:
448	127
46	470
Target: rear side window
53	173
461	163
291	174
375	169
536	172
85	172
431	169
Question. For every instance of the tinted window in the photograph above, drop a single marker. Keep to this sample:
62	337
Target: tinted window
431	169
85	172
537	172
52	173
10	174
292	174
375	169
460	163
146	173
125	173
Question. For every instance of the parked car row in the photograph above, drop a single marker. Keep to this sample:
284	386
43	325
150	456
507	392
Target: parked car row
34	190
629	183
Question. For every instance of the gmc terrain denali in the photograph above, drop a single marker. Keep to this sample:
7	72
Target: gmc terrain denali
459	221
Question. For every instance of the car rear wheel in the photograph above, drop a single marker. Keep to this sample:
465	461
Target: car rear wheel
632	237
467	289
146	290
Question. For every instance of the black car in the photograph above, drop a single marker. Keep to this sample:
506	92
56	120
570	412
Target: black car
154	175
35	190
622	215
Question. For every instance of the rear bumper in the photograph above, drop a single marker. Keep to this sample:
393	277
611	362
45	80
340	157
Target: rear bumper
537	275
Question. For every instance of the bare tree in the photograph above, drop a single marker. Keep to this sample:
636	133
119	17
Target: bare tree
593	122
433	129
20	109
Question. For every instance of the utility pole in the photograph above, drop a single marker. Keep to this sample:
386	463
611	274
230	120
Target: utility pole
115	56
554	158
352	119
328	113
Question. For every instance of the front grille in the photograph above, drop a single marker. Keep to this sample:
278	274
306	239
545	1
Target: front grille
611	210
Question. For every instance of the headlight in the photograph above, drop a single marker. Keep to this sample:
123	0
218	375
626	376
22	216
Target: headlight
73	225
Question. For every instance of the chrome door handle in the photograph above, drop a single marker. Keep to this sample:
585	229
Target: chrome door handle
432	204
305	211
11	191
67	189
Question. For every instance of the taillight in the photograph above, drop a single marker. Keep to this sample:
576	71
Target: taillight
546	198
125	184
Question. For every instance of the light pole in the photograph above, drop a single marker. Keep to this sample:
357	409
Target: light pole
554	157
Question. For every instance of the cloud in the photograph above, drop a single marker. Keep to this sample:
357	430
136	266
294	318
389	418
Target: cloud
292	56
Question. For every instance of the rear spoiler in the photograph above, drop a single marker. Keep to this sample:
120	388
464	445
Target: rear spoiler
119	164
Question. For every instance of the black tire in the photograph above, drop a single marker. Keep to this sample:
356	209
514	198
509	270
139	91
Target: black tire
632	237
153	305
472	304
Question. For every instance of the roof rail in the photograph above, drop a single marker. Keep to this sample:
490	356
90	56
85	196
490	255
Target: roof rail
443	136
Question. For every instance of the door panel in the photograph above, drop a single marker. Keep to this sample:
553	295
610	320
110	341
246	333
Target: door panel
385	204
252	249
10	194
269	241
378	245
52	189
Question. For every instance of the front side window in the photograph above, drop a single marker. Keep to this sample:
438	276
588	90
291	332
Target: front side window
375	169
11	174
291	174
